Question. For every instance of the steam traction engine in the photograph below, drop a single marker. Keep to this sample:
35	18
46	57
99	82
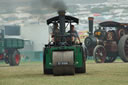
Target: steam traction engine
108	41
62	56
9	47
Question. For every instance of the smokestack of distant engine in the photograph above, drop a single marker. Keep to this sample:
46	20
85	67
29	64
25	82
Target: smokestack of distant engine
90	25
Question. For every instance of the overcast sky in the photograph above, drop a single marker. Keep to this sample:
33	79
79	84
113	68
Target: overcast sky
27	8
36	3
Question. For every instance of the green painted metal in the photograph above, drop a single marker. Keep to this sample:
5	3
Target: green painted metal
77	55
9	43
1	47
14	43
1	41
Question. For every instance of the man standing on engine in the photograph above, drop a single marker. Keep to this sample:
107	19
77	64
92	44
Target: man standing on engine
55	34
74	34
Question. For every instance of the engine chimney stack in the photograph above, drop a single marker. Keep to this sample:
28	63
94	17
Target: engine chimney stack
62	23
90	19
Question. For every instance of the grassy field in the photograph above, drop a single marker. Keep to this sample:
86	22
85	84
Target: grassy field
97	74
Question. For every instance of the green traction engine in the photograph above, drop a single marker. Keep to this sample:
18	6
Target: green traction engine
9	49
62	56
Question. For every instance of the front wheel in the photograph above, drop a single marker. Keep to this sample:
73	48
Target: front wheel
99	54
14	57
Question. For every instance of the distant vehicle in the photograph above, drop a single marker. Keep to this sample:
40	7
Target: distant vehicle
62	56
108	41
9	45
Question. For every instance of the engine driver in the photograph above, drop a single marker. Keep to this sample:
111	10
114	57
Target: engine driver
74	34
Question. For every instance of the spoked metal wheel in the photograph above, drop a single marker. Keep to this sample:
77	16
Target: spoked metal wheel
111	57
123	48
99	54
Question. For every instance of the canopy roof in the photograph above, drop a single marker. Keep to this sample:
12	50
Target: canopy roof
109	24
67	20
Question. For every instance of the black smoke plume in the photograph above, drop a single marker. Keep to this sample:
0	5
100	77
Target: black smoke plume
54	4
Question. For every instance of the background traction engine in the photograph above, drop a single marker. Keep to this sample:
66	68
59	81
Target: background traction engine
9	49
61	56
108	41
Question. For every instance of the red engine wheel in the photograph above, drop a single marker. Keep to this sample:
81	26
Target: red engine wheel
1	56
17	57
14	57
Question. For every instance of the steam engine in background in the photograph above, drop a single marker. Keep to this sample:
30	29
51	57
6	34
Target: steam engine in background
9	45
108	41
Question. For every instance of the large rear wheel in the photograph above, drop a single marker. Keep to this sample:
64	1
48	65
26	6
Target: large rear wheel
123	48
111	57
14	57
99	54
46	71
83	68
